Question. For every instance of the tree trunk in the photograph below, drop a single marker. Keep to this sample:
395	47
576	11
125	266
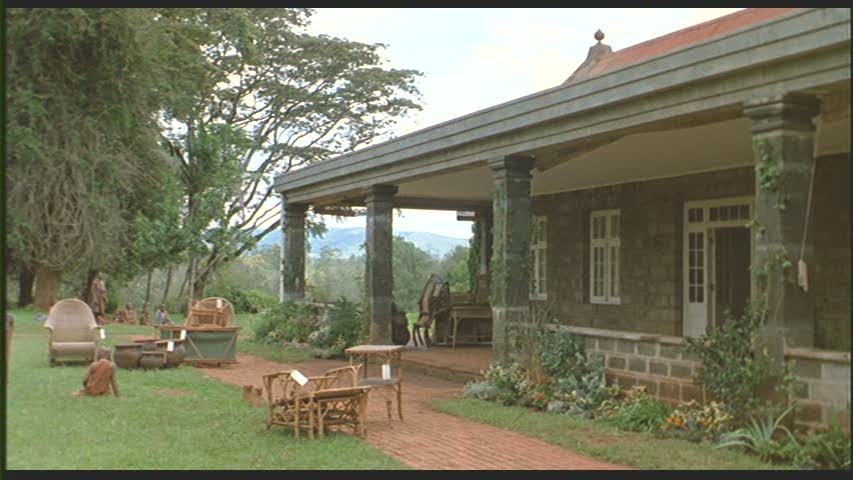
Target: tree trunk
191	284
47	288
86	292
26	279
199	285
184	283
168	285
147	292
198	290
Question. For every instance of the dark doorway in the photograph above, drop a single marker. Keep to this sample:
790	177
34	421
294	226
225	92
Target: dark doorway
731	272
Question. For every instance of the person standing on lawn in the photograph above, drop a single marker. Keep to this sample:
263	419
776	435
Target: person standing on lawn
101	377
162	317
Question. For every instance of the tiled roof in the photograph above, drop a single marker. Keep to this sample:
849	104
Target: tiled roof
608	61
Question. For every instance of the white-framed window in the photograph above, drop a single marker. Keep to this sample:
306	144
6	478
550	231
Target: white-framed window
604	257
538	249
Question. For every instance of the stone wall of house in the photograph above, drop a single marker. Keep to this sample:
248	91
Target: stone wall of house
652	244
651	248
657	362
660	363
823	386
829	271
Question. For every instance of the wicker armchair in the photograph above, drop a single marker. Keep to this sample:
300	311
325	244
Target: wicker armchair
73	331
213	311
331	399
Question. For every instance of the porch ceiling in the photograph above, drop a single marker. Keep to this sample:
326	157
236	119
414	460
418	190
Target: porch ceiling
633	158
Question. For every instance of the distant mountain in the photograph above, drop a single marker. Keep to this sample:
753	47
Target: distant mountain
348	241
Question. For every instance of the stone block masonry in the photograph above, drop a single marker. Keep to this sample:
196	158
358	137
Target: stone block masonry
823	381
654	361
660	363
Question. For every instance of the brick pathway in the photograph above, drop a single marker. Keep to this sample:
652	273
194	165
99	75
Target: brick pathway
429	439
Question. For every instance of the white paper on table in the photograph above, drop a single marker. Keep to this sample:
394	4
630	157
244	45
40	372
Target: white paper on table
170	346
386	371
103	334
183	334
300	379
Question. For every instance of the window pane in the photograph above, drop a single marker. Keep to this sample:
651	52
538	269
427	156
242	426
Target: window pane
695	215
614	226
614	276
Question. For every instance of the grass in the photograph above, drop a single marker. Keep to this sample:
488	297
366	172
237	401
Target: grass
165	419
640	450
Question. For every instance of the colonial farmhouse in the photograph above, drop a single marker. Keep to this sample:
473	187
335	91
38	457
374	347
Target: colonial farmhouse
646	199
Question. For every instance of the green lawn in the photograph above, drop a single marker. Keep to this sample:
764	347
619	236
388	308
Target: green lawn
588	437
165	419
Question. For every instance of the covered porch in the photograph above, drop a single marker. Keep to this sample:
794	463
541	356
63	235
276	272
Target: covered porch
643	201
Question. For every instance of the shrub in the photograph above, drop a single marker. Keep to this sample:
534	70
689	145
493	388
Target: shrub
832	449
694	421
287	322
244	301
339	329
766	438
570	376
827	450
635	411
509	381
732	371
482	391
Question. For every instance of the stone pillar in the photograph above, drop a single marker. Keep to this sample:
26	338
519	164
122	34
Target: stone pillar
510	269
379	273
783	144
292	251
485	242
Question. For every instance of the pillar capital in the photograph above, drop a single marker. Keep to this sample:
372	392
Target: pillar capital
380	192
793	112
513	164
291	209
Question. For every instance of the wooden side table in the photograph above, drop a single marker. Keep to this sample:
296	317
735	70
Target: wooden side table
471	311
387	387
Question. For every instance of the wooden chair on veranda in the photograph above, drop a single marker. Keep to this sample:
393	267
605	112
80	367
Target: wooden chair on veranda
332	399
434	303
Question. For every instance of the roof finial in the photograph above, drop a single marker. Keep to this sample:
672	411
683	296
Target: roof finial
599	35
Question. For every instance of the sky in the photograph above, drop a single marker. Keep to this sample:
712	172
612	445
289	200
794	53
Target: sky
475	58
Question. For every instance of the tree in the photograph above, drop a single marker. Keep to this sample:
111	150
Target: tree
455	267
288	99
84	89
331	276
412	266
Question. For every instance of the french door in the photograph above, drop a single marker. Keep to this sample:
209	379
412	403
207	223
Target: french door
716	235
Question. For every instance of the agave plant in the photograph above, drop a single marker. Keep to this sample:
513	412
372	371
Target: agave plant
758	437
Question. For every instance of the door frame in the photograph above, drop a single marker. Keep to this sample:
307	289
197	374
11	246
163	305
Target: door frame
696	319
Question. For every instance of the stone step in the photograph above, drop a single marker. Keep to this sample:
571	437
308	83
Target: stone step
444	373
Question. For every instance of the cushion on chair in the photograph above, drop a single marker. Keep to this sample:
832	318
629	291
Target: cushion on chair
72	348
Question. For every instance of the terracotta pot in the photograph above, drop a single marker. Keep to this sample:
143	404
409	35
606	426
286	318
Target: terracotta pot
151	360
148	346
176	356
127	355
